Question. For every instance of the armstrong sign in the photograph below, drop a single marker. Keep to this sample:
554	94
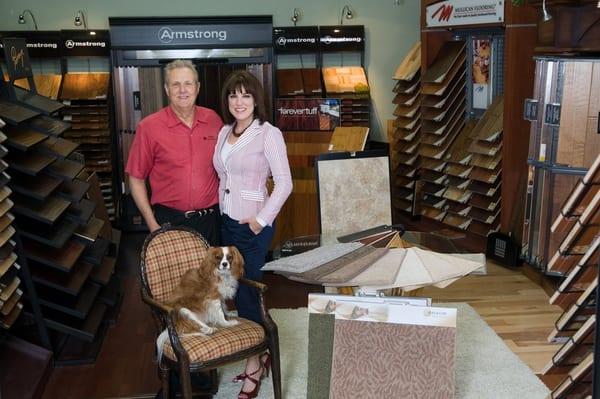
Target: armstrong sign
167	34
464	12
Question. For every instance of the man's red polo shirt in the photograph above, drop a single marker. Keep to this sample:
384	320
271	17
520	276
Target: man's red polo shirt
177	159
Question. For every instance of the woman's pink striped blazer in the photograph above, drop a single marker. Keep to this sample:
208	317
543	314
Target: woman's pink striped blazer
259	153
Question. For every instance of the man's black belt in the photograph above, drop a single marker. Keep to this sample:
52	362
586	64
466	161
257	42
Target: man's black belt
192	213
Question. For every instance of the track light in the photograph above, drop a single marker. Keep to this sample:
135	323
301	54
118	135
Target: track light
22	18
80	19
295	16
545	14
346	12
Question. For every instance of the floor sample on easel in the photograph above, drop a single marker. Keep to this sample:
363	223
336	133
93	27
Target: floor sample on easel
484	367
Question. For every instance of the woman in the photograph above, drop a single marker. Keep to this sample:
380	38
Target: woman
249	149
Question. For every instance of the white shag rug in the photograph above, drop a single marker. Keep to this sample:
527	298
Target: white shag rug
484	368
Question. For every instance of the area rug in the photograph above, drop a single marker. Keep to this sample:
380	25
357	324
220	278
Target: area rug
485	367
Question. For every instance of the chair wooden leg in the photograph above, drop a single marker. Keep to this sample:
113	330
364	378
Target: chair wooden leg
275	363
214	381
164	382
185	381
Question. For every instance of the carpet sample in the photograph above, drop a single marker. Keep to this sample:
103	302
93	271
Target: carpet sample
320	351
380	360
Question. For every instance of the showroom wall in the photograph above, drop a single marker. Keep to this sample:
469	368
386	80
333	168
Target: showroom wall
392	27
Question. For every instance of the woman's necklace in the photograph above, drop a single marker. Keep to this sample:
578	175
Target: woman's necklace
240	133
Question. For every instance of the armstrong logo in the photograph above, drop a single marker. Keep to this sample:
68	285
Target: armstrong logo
70	44
167	35
445	12
282	41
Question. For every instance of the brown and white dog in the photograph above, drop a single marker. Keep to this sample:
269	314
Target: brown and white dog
201	294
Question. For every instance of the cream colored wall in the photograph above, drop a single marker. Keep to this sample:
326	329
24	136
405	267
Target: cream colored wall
392	26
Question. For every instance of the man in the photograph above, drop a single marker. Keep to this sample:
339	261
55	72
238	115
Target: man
173	148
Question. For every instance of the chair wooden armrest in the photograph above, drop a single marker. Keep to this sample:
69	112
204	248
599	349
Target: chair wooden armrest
259	286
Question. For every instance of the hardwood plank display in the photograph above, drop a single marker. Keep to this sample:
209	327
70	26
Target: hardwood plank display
55	235
345	80
11	303
22	138
446	58
47	85
63	259
85	86
65	169
78	306
57	146
37	102
48	125
573	318
39	187
70	283
410	65
15	113
29	163
348	139
578	382
46	211
81	211
7	262
289	82
6	322
73	190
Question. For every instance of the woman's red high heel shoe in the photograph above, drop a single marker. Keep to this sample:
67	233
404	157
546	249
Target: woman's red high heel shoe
256	381
265	359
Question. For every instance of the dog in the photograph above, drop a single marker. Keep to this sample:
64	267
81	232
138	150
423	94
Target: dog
200	297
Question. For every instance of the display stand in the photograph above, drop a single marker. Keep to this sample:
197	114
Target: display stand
68	302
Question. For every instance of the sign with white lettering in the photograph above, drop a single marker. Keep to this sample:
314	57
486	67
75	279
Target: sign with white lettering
292	39
342	38
39	43
194	32
78	42
307	113
464	12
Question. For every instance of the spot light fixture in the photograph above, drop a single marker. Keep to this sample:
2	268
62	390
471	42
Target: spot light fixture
347	12
22	18
295	16
545	14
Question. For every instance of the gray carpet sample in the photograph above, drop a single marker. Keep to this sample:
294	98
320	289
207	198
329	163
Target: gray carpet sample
320	351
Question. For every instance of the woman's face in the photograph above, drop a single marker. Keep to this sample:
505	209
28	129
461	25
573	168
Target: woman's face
241	106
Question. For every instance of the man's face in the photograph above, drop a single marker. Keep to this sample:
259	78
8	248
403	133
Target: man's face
182	88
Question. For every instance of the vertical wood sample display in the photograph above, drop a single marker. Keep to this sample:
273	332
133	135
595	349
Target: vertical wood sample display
87	96
10	293
405	135
51	207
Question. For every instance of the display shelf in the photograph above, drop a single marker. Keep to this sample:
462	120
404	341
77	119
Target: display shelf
76	306
65	169
37	187
84	330
55	235
14	113
28	162
63	259
57	146
70	283
36	102
22	138
103	272
46	211
48	125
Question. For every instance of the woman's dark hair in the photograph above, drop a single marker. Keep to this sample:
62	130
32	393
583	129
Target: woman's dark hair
236	81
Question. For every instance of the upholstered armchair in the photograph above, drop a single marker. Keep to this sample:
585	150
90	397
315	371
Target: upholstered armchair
166	255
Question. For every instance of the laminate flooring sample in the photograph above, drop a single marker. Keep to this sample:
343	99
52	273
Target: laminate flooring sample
70	283
85	86
447	56
440	89
23	137
410	64
57	146
37	102
61	258
65	169
46	85
48	125
15	113
47	211
38	187
349	138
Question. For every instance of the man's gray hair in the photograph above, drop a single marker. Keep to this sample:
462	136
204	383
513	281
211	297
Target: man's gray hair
179	64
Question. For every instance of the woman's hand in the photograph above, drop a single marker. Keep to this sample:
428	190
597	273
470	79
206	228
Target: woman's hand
253	225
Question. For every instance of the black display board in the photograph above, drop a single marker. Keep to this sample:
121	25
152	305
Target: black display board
296	39
342	38
17	58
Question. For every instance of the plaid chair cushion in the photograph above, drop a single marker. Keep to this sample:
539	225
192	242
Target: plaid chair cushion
168	256
224	341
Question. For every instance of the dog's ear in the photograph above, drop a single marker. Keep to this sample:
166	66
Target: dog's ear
237	262
210	259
